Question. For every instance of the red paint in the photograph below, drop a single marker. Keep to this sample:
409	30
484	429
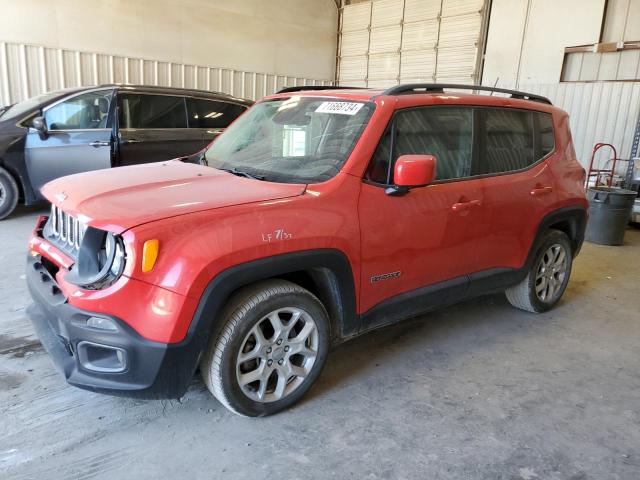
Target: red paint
414	170
208	220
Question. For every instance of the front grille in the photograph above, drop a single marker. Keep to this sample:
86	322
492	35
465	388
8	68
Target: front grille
64	231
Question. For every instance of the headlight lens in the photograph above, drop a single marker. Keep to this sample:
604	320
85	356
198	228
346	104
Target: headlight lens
101	260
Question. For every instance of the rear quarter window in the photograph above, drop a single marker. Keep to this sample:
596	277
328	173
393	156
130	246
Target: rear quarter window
511	140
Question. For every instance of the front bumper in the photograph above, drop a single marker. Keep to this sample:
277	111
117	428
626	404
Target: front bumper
151	369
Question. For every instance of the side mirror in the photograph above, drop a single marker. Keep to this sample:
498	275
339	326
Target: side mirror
40	126
412	171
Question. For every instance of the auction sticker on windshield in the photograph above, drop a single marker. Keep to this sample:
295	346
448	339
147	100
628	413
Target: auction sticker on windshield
342	108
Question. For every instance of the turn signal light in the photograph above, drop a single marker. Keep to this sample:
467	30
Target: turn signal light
150	254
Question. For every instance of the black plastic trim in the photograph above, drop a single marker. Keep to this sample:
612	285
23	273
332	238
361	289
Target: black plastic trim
154	370
410	88
224	284
303	88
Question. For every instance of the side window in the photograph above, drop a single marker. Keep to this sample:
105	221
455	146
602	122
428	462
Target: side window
545	134
151	111
446	132
507	140
86	111
212	114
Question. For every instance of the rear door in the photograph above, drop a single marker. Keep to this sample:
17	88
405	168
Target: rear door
425	241
154	127
79	138
211	117
517	184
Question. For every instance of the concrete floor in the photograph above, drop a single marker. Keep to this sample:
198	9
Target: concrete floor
478	391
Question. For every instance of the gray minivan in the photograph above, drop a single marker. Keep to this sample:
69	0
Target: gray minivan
77	130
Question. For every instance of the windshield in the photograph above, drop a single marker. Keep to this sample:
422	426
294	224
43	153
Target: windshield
19	109
294	140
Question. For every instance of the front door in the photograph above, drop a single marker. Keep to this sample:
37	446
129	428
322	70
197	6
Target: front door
79	138
418	248
154	128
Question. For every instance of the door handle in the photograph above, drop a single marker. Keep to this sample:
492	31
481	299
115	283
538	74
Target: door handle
539	191
463	206
97	144
130	141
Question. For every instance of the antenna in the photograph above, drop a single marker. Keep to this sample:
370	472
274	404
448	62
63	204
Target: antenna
494	86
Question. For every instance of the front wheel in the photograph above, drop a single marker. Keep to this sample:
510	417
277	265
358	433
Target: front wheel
8	194
270	351
548	276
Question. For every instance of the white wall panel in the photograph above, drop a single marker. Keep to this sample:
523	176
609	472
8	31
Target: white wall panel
599	112
422	35
280	36
27	70
385	39
418	10
527	38
411	40
384	66
418	66
386	12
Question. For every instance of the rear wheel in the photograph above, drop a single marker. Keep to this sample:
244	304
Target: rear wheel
8	194
270	351
548	277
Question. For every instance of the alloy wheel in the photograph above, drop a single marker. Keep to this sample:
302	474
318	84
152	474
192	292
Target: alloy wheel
551	273
277	354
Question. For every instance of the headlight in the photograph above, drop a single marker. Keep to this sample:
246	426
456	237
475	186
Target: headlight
101	260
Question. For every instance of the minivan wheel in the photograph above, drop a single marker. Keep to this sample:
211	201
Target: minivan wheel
271	349
8	193
548	276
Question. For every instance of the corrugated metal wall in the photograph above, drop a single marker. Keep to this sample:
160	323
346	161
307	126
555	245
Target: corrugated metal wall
599	111
27	70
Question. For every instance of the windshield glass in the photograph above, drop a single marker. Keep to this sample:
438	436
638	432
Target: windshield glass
294	140
19	109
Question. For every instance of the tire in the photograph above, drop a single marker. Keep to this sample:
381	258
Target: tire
251	321
547	278
8	194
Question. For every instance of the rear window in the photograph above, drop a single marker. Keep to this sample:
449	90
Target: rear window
151	111
511	140
212	113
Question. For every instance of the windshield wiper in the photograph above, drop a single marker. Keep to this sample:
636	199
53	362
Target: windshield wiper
240	173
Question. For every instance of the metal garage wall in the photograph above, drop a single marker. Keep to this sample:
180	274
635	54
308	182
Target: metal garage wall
27	70
599	111
385	42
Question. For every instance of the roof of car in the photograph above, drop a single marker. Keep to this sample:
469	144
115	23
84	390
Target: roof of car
181	91
451	93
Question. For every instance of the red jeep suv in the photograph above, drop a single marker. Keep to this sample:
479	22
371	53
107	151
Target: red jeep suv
320	214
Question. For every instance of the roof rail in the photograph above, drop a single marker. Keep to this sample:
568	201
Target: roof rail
315	87
409	88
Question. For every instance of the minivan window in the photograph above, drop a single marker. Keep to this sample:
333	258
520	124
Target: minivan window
86	111
151	111
446	132
211	113
24	107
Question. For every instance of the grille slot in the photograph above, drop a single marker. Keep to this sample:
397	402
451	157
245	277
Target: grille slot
65	231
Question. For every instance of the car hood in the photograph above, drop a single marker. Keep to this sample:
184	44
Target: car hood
121	198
